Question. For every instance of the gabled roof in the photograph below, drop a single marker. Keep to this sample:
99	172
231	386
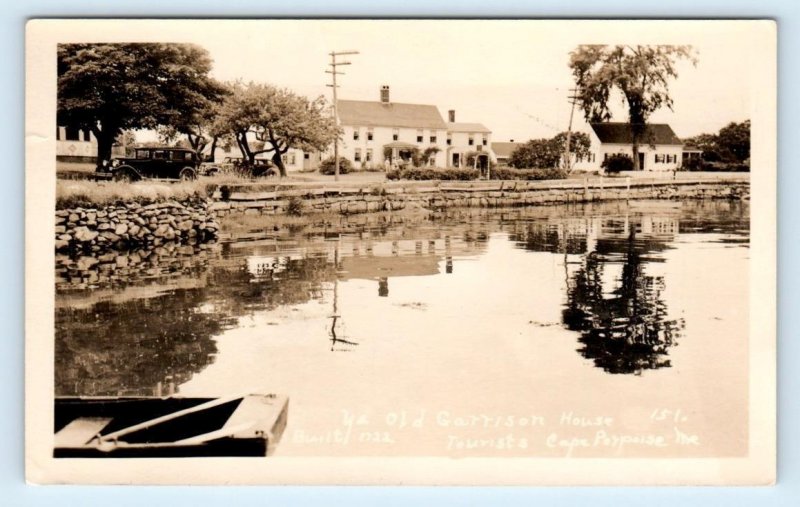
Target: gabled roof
503	149
467	127
363	113
620	133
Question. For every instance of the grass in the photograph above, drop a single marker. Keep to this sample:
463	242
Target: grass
89	194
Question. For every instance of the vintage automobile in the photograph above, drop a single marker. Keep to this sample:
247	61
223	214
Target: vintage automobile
153	162
261	168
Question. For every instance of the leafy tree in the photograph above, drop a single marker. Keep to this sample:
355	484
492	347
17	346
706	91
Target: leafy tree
731	144
108	88
536	153
579	144
640	73
276	118
734	140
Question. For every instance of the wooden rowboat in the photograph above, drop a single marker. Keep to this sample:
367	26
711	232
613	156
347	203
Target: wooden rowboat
149	427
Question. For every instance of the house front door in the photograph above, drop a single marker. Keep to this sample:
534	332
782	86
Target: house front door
641	161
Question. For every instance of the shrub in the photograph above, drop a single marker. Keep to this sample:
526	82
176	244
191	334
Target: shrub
616	163
430	173
294	207
507	173
328	166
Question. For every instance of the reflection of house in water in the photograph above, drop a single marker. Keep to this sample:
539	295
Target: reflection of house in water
622	318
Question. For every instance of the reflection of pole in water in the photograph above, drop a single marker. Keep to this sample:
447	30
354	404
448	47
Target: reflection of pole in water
383	287
336	317
448	265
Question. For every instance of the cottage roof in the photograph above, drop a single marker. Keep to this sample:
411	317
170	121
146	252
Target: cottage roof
365	113
504	149
467	127
620	133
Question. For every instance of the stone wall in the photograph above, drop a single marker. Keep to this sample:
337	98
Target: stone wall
449	194
131	225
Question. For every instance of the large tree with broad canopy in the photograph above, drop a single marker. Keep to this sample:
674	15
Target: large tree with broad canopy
108	88
640	73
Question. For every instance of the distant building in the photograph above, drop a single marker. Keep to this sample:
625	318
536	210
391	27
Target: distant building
75	145
659	149
503	150
465	139
379	131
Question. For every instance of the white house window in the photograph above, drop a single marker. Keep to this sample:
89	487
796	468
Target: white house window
484	141
356	133
449	139
471	140
433	138
419	136
395	134
369	155
357	155
369	134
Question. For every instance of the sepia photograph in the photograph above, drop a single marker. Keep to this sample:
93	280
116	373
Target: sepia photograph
400	251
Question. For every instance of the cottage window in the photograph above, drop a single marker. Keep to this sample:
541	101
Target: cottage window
356	133
433	139
419	136
357	155
369	134
289	159
306	156
471	140
395	134
369	155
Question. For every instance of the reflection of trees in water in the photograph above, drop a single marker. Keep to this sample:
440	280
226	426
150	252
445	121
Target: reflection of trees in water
133	346
627	331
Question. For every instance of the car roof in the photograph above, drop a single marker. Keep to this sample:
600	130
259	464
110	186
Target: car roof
164	148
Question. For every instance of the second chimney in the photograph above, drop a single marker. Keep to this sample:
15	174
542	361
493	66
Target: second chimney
451	116
385	94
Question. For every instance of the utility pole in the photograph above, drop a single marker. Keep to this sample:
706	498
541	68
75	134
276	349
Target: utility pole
573	99
334	63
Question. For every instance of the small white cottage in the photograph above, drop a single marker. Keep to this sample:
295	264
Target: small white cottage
659	150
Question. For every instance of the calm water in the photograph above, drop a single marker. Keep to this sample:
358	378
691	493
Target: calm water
515	332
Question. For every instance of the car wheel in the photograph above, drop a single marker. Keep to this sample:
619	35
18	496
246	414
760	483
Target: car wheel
187	174
123	175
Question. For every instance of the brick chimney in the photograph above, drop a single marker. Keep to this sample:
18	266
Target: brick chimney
451	116
385	94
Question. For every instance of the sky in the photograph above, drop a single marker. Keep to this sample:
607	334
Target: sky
510	75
